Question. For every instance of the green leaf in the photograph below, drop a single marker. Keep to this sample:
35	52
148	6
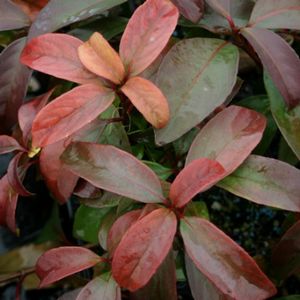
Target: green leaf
161	171
197	209
196	76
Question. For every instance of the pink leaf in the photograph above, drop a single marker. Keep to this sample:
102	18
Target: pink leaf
279	59
9	144
61	262
190	9
198	176
223	261
148	100
143	249
56	54
100	58
146	34
229	137
69	112
114	170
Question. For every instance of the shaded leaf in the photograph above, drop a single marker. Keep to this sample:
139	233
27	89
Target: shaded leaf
266	181
197	209
114	170
69	113
148	100
61	262
100	288
276	14
13	83
196	76
56	54
161	171
223	261
190	9
221	6
133	266
100	58
287	120
59	14
279	59
196	177
229	137
9	144
146	34
12	17
105	226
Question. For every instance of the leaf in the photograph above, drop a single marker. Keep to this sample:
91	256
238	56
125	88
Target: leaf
161	171
100	288
276	14
12	17
221	6
114	170
229	137
105	226
100	58
9	144
56	54
28	112
133	266
289	263
13	83
279	59
196	177
266	181
146	34
148	100
196	76
58	14
69	113
223	261
61	262
287	120
119	228
197	209
30	7
190	9
162	286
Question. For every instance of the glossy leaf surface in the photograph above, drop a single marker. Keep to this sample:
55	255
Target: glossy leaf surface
223	261
198	176
100	58
59	14
287	120
266	181
146	34
276	14
61	262
190	9
229	137
12	17
148	100
100	288
56	54
114	170
196	76
143	249
13	83
8	144
69	113
279	59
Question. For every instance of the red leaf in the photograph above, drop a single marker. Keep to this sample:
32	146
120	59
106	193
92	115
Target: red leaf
148	99
31	7
119	228
61	262
16	173
279	59
100	58
190	9
223	261
143	249
114	170
69	112
229	137
198	176
28	111
9	144
56	54
146	34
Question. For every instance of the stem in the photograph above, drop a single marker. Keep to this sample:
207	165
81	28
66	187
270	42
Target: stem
7	278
